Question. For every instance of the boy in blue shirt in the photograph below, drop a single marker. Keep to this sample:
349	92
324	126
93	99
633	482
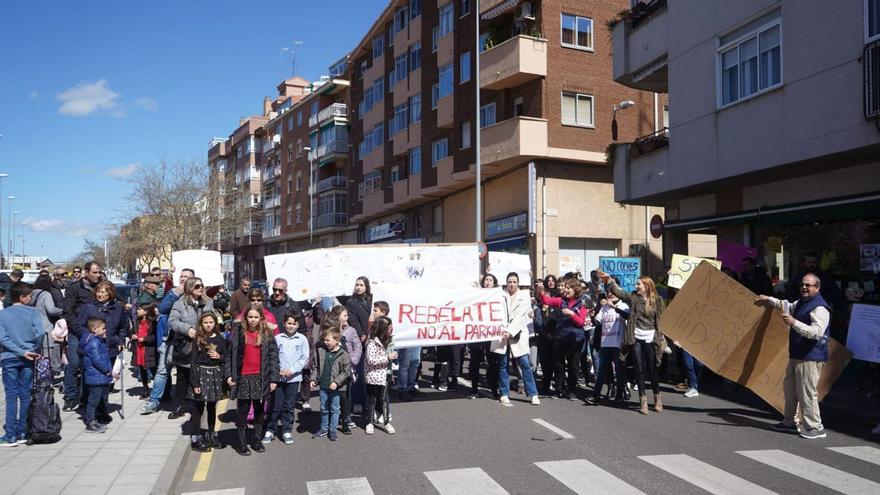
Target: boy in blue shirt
97	372
21	332
293	354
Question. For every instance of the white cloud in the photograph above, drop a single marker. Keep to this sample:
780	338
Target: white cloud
122	172
87	98
147	103
59	226
33	94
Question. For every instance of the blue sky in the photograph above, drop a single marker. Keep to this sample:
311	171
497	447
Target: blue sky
90	91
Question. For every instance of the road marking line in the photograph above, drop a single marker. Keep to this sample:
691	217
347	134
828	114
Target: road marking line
464	482
204	465
562	433
228	491
347	486
583	477
867	454
705	476
813	471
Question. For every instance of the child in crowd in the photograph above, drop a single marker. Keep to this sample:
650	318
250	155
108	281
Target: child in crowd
206	380
293	354
96	373
381	308
143	345
331	367
354	348
376	372
252	372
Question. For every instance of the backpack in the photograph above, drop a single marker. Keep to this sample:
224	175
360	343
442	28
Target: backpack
44	415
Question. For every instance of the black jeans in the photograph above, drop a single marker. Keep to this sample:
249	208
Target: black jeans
195	420
242	407
567	359
446	364
644	359
283	406
181	386
478	352
547	360
376	402
609	356
305	392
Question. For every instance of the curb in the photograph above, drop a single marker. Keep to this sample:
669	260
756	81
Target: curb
173	468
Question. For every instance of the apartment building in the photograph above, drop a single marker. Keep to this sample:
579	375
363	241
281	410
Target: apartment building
774	137
547	100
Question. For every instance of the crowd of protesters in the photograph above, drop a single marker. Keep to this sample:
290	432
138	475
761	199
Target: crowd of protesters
566	338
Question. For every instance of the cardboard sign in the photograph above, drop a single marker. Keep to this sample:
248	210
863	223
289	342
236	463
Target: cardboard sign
427	316
500	264
207	265
682	268
863	338
625	270
716	320
732	255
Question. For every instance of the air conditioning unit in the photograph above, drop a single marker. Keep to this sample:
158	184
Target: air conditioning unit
525	10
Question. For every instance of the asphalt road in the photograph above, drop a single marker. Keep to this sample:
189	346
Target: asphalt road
497	449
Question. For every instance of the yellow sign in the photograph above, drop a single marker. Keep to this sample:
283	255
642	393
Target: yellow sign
682	268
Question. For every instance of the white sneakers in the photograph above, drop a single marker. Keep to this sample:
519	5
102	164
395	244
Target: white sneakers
389	429
691	392
369	430
504	399
536	401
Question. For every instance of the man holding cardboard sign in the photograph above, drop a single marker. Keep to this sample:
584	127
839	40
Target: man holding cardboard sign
808	320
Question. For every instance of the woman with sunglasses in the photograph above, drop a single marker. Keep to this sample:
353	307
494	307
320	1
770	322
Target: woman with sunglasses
255	296
183	321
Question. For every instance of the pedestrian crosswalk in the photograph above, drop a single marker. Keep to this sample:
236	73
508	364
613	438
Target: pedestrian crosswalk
581	476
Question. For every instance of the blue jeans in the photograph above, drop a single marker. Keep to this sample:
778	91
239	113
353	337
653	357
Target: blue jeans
329	409
284	403
160	377
525	366
409	359
18	376
606	357
98	396
72	371
694	366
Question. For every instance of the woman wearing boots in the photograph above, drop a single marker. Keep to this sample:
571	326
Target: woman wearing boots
642	335
252	373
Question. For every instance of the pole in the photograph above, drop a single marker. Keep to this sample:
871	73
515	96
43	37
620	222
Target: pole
12	238
9	230
478	206
2	176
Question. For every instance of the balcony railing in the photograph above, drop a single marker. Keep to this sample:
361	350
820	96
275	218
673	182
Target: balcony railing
268	145
336	182
336	146
270	203
270	173
336	110
331	220
871	57
651	142
273	232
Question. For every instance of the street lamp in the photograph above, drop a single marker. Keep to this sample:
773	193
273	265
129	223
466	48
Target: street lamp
2	176
477	50
9	230
312	187
623	105
12	251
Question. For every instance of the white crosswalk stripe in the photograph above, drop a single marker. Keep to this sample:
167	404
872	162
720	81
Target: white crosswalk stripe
818	473
464	482
229	491
348	486
865	453
705	476
583	477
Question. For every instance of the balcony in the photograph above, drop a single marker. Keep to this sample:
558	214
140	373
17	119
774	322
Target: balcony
272	202
331	220
640	168
336	182
270	173
510	142
273	232
269	145
514	62
332	149
640	48
334	111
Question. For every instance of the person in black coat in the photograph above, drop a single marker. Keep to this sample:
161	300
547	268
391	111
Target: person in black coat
143	345
359	307
107	308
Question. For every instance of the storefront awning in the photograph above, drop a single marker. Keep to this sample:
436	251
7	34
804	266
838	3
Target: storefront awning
861	207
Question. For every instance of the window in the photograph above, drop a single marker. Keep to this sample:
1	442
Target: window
577	109
379	89
517	106
289	215
373	182
401	16
379	135
299	148
415	160
447	79
577	32
435	95
363	68
289	153
378	46
415	8
447	23
299	213
415	108
872	20
299	181
435	39
314	109
398	122
465	7
415	56
289	184
290	123
439	151
299	118
466	134
487	115
395	174
751	64
399	72
464	67
239	152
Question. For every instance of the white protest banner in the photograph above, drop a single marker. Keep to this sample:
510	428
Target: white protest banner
207	265
333	271
682	268
500	264
426	316
863	338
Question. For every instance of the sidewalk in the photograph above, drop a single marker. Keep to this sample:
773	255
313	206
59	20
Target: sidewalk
137	455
